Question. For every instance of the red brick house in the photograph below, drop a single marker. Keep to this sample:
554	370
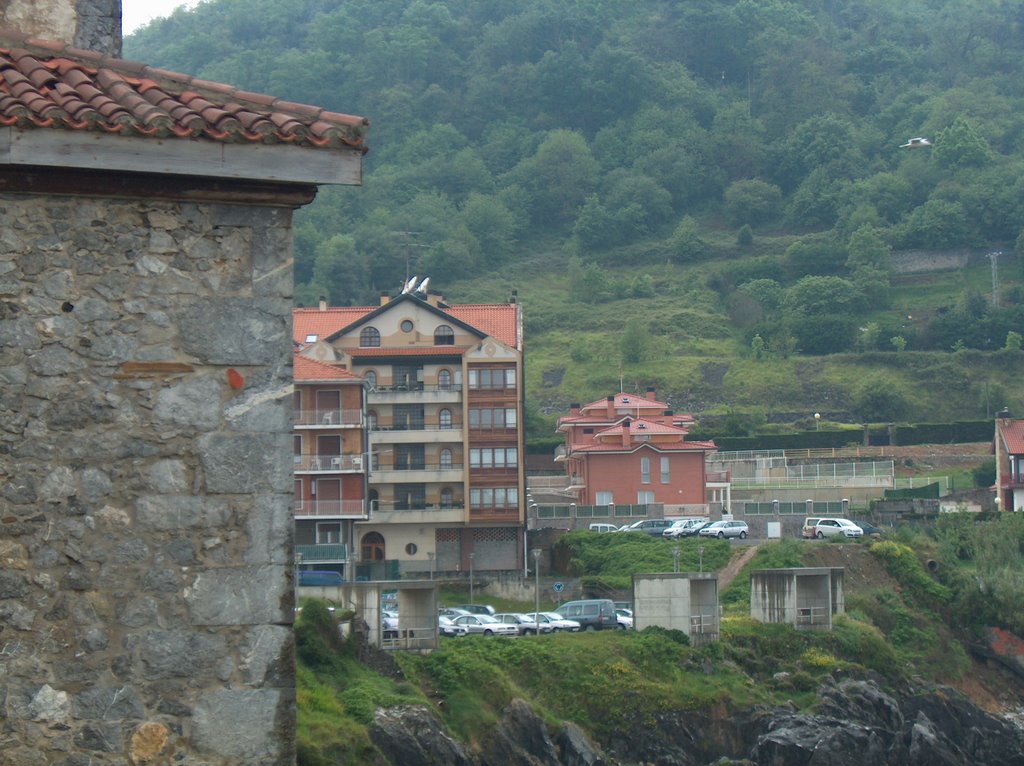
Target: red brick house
630	449
1009	448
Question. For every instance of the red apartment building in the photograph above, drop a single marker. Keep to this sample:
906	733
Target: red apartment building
444	443
630	449
330	469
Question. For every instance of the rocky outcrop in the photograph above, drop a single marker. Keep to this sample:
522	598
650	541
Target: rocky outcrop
857	724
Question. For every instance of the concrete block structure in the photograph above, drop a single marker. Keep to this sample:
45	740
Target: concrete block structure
804	597
146	540
686	601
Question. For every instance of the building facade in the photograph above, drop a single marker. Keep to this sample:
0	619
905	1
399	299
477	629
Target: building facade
1009	449
329	453
444	407
630	449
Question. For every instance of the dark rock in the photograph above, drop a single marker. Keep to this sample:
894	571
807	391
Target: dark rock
575	749
520	739
413	736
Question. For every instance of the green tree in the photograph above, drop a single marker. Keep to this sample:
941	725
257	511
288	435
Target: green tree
588	282
867	248
961	145
686	244
559	176
1013	341
752	201
877	400
634	341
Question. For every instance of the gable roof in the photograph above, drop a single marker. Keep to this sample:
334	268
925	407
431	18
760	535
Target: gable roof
47	84
623	401
307	370
1013	436
497	320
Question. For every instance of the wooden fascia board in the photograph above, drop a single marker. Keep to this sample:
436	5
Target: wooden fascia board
176	156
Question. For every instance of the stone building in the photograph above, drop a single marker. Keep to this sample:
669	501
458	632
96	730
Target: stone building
145	301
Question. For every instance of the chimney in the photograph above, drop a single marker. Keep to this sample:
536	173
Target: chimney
384	299
651	393
626	440
323	303
515	297
611	406
94	25
574	408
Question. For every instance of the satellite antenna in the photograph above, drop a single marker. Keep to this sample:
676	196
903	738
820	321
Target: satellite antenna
409	285
422	289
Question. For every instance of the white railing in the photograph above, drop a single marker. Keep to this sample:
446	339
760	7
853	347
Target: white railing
330	508
328	463
328	417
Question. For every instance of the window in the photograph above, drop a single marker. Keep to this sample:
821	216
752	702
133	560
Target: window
444	419
446	458
444	336
494	497
645	497
446	497
665	471
369	337
371	420
645	470
411	549
444	380
371	379
407	325
603	498
498	417
372	547
492	377
311	338
493	457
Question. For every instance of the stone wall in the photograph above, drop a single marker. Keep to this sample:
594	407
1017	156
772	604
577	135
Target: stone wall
145	514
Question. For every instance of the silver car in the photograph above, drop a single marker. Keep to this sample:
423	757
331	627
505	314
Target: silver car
722	529
485	625
525	624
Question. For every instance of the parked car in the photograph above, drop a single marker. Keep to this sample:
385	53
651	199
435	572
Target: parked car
557	622
446	627
451	612
834	527
625	618
869	528
591	613
485	625
525	624
680	526
809	523
722	529
389	622
310	577
653	527
695	529
599	527
477	608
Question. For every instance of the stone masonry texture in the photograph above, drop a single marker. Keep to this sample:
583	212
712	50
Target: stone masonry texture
145	502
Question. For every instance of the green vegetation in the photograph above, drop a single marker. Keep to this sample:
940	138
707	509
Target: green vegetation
723	178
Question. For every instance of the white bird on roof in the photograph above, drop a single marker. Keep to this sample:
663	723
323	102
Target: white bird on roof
915	143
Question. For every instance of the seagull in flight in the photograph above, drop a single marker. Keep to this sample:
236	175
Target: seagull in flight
916	143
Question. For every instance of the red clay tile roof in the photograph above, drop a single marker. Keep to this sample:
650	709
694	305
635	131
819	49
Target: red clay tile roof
624	401
46	84
306	369
643	426
498	320
671	447
1013	436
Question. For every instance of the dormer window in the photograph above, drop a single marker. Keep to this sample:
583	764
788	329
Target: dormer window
369	337
444	336
311	338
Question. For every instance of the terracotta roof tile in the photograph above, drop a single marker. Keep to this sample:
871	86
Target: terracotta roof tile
47	84
305	369
671	447
1013	436
497	320
626	401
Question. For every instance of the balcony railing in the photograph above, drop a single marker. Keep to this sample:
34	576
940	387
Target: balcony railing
323	508
416	426
377	506
328	463
402	387
329	417
324	553
419	465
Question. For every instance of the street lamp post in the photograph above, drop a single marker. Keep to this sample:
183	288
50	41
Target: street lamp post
817	421
536	588
471	578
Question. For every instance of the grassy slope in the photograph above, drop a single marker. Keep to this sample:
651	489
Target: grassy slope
893	627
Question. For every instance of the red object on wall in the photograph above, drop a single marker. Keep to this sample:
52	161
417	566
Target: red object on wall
235	379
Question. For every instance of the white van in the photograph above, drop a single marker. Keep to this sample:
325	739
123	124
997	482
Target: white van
597	527
684	527
832	527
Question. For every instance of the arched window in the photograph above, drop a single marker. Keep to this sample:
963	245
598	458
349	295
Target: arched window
372	547
444	336
444	419
446	458
446	498
444	380
369	337
371	379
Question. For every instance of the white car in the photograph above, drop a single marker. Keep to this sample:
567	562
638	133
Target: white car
835	527
722	529
558	622
525	624
485	625
625	618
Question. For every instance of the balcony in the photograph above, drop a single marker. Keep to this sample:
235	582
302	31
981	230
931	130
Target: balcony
321	464
325	553
560	453
388	514
416	472
328	419
416	433
414	392
336	509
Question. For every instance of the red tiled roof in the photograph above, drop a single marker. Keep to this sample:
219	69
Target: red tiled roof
644	426
623	400
46	84
1013	436
657	447
498	320
310	369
